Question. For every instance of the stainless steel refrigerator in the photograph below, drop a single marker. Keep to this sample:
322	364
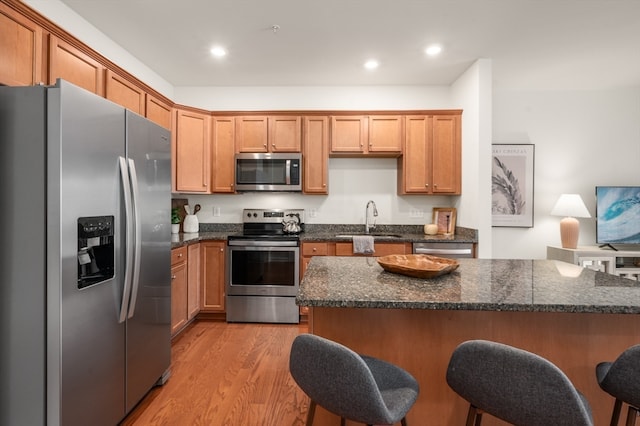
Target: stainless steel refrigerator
84	255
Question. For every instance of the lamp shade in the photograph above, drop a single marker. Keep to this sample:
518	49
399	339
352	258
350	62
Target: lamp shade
570	205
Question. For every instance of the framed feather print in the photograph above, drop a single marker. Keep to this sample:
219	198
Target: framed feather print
512	171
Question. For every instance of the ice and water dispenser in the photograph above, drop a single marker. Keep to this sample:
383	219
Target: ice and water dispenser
96	250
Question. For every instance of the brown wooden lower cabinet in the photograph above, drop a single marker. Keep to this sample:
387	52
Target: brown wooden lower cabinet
178	289
212	256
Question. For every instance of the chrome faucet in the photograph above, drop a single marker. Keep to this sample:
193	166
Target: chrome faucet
367	227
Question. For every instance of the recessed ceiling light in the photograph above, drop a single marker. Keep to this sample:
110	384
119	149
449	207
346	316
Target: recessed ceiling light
371	64
218	51
433	50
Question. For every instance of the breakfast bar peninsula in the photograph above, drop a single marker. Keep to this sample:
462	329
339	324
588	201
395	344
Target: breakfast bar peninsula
572	316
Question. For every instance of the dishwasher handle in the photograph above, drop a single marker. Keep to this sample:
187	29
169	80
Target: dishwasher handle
424	250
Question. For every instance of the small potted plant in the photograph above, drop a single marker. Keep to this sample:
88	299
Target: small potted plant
175	221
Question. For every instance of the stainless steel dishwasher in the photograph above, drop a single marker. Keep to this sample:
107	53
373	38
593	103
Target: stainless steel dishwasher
452	250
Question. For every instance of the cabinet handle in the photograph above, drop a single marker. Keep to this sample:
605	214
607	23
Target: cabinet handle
264	145
221	250
426	185
315	249
179	254
273	145
173	277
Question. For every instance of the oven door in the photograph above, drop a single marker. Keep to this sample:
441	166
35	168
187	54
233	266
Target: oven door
262	270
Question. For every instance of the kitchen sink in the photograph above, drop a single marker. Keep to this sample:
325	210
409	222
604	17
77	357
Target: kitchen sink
373	234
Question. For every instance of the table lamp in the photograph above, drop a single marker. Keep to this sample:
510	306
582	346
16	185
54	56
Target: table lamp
570	206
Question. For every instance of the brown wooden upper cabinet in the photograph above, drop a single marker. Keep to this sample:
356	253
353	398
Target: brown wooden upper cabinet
268	134
315	155
222	144
192	151
158	111
69	63
20	49
373	135
432	155
125	93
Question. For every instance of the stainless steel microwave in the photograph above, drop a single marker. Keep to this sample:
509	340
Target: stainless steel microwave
269	172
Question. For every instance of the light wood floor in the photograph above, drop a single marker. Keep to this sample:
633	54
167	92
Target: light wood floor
227	374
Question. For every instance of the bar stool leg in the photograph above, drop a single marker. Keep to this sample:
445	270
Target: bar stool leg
310	414
632	413
615	416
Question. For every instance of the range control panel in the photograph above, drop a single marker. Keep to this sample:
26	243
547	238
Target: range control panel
270	215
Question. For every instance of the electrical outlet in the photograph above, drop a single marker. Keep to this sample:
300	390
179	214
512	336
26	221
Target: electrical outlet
216	211
416	213
313	212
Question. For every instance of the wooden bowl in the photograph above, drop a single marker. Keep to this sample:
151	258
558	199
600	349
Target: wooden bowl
417	265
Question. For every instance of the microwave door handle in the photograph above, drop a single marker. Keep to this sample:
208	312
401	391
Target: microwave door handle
288	172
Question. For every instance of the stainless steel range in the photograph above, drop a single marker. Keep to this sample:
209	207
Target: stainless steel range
263	267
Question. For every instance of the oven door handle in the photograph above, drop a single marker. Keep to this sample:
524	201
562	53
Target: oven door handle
254	243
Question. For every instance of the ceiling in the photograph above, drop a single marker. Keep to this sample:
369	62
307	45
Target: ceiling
533	44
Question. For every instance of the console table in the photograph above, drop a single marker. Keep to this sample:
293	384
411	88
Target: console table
624	263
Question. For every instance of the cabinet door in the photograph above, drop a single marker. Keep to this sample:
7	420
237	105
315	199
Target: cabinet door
213	264
315	158
348	134
20	49
69	63
158	111
193	281
285	133
385	133
178	297
192	152
413	166
125	93
251	134
223	140
446	154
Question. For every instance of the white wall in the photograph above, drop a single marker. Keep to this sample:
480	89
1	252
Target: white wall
314	98
472	91
582	139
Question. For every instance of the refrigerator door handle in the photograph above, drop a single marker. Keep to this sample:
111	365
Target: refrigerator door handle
128	267
137	240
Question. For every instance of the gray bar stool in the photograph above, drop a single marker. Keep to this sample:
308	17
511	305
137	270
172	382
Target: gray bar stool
514	385
621	379
355	387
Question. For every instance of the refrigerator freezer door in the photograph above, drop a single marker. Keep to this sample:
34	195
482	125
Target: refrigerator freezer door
149	316
85	367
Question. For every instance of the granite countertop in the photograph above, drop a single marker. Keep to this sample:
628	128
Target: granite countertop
328	232
386	233
477	284
182	239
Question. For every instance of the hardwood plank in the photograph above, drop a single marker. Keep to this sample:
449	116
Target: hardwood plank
227	374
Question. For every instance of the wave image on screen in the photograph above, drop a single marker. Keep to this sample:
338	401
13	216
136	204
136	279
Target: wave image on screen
618	214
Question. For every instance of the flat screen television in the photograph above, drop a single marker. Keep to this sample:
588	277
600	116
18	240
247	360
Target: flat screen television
617	215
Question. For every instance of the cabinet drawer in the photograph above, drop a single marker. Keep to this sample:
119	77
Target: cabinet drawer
381	249
178	255
314	249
